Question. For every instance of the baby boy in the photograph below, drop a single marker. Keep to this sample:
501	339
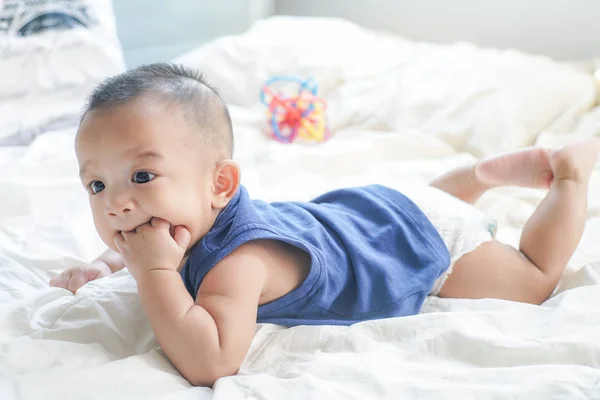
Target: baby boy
154	148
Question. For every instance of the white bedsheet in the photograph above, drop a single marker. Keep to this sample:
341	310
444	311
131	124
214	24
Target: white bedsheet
98	345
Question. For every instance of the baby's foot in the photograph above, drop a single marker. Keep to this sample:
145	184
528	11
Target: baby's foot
576	161
529	167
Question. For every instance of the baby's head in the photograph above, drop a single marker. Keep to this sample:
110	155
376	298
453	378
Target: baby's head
156	141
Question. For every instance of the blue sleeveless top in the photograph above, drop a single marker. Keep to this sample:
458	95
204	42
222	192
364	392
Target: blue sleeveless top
374	254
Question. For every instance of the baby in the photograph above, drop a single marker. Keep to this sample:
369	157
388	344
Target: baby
154	148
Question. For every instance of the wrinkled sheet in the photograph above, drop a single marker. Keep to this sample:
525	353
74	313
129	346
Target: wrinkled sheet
400	112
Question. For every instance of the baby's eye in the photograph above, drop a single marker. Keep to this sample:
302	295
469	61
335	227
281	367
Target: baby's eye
96	186
143	177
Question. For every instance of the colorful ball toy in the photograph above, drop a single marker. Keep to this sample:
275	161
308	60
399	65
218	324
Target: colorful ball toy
295	110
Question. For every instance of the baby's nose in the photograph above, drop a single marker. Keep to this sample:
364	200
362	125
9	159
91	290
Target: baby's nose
117	212
119	205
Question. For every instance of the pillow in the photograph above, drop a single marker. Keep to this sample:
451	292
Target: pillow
52	54
477	100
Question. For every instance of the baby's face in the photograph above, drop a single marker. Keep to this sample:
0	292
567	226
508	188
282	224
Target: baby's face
140	161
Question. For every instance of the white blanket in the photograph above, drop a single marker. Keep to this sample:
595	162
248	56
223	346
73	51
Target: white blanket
399	111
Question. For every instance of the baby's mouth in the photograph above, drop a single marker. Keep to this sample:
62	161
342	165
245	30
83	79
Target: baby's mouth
134	227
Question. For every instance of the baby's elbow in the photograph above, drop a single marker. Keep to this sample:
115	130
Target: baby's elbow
209	375
202	380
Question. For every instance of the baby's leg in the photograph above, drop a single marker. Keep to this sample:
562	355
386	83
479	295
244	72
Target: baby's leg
528	168
550	237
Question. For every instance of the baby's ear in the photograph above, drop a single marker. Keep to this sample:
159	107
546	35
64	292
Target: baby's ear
226	183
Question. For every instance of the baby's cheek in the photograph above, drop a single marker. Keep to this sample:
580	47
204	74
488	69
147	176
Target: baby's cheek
106	233
100	228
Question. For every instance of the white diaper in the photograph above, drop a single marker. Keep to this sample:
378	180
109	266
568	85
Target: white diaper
462	226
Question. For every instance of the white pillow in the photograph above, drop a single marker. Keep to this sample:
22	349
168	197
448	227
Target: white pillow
478	100
52	54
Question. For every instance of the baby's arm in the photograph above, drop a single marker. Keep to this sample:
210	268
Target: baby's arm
110	259
73	278
208	339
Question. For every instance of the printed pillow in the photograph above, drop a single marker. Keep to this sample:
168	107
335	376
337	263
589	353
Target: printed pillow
52	54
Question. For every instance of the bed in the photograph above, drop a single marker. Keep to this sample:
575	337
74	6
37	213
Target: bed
400	111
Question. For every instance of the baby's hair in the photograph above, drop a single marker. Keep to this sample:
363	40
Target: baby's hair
183	87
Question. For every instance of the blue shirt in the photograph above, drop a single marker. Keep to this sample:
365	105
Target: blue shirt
374	254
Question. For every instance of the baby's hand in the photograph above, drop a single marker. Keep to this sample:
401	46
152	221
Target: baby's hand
74	278
151	247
